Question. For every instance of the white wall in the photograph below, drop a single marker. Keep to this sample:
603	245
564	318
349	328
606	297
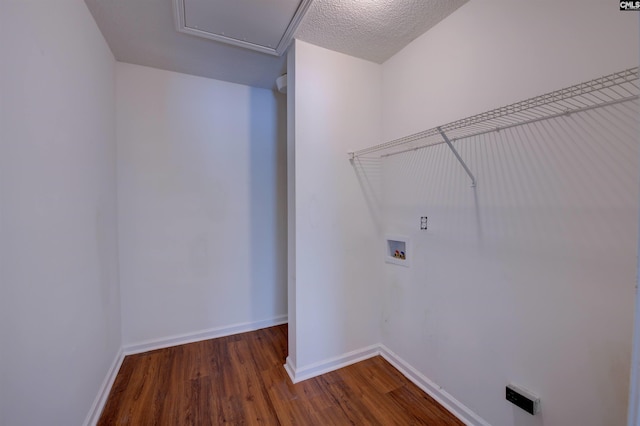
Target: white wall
202	203
59	293
337	108
490	53
291	205
531	278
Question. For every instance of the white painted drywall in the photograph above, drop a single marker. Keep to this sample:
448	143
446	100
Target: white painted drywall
490	53
634	398
291	204
201	203
59	293
337	108
530	279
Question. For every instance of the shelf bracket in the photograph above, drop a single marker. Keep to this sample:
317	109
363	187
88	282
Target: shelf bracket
464	165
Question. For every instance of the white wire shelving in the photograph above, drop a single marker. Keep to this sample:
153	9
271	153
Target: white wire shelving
611	89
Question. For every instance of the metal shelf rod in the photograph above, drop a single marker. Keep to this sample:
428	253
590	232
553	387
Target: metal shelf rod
607	90
509	126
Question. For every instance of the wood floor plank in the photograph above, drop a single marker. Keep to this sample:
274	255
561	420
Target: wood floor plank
240	380
375	399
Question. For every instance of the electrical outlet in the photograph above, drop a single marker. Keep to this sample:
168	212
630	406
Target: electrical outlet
423	223
523	399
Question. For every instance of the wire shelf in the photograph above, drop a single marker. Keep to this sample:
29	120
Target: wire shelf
608	90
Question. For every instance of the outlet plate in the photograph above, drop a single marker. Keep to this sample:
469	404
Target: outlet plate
522	398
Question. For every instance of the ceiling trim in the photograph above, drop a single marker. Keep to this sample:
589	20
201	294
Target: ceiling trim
179	18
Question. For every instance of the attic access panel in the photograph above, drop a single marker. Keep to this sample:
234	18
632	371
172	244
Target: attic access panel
265	26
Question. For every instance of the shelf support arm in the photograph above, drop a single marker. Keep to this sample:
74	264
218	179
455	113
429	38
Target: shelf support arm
464	165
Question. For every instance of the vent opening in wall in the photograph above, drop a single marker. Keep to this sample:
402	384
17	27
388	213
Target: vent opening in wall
397	250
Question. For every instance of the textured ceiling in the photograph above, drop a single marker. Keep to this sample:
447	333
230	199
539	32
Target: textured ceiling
371	29
143	32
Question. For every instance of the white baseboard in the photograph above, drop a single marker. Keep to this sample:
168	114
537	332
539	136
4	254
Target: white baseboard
290	369
103	394
456	408
105	389
182	339
331	364
296	374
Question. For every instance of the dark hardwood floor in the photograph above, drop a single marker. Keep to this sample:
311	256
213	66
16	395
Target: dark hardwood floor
240	380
